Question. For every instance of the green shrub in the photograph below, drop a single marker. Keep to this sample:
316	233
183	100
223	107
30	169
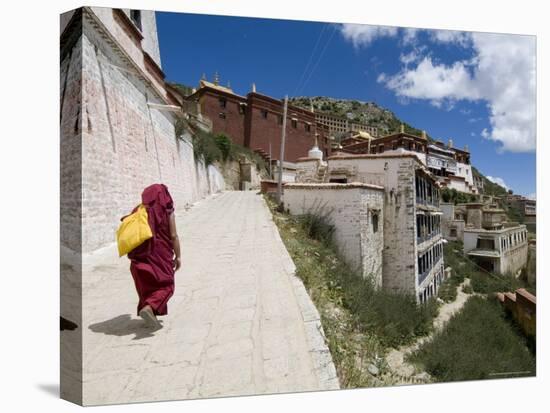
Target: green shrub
467	289
477	343
206	148
485	283
447	291
317	223
456	197
219	148
224	144
395	318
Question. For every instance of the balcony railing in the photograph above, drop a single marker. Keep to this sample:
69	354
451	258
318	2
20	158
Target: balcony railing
422	276
428	202
421	239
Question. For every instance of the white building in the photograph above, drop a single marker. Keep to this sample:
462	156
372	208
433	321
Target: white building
357	212
502	251
412	257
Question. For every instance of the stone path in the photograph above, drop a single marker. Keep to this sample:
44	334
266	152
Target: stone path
240	321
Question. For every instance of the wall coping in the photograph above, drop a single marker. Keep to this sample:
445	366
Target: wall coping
495	231
373	156
332	185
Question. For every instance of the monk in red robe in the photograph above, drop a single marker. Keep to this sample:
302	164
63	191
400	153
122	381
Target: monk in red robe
154	262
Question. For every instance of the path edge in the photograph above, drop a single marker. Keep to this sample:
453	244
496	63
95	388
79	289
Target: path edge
315	334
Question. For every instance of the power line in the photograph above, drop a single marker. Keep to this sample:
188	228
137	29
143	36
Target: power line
310	58
319	59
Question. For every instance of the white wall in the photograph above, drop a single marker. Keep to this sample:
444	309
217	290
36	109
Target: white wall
123	145
351	209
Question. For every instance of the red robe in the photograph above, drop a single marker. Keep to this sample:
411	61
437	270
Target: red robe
152	263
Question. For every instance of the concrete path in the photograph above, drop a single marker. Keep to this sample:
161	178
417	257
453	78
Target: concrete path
240	322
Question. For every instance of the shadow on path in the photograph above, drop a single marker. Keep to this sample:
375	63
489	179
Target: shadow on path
124	325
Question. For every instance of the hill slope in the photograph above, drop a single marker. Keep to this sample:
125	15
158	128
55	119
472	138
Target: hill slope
368	113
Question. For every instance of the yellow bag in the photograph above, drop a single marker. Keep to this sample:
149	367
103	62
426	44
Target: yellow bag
133	231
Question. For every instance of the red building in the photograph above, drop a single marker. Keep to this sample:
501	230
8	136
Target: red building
255	121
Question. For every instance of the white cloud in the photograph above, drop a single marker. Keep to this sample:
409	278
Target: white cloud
434	82
532	196
409	35
450	36
364	34
497	180
502	73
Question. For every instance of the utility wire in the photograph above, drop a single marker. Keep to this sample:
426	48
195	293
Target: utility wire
319	59
310	59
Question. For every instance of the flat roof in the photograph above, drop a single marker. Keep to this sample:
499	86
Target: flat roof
374	156
331	185
495	231
478	252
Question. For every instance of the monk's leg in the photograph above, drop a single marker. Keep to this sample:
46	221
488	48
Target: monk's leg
158	300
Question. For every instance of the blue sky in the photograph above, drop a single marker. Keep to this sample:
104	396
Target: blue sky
475	88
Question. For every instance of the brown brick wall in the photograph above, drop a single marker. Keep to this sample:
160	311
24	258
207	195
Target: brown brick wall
233	124
255	131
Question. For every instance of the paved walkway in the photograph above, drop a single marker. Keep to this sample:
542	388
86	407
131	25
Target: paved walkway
240	322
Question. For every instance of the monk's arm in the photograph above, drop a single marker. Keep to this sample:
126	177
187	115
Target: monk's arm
175	241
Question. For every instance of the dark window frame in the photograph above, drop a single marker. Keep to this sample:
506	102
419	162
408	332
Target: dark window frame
135	16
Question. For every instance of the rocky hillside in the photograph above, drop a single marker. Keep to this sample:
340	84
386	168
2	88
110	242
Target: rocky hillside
363	112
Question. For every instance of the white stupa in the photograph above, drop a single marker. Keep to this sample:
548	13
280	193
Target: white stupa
315	152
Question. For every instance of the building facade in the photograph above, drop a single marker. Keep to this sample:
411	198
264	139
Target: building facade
357	213
412	258
338	124
256	120
451	166
502	251
526	206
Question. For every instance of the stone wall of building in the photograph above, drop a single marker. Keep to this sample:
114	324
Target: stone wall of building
474	215
357	213
464	170
70	213
506	249
396	174
255	121
514	260
306	170
228	119
124	144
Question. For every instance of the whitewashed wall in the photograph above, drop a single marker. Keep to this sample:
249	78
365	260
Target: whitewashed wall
351	208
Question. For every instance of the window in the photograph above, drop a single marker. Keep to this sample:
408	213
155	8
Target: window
308	127
264	113
222	115
223	102
374	222
135	15
280	119
241	109
294	123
